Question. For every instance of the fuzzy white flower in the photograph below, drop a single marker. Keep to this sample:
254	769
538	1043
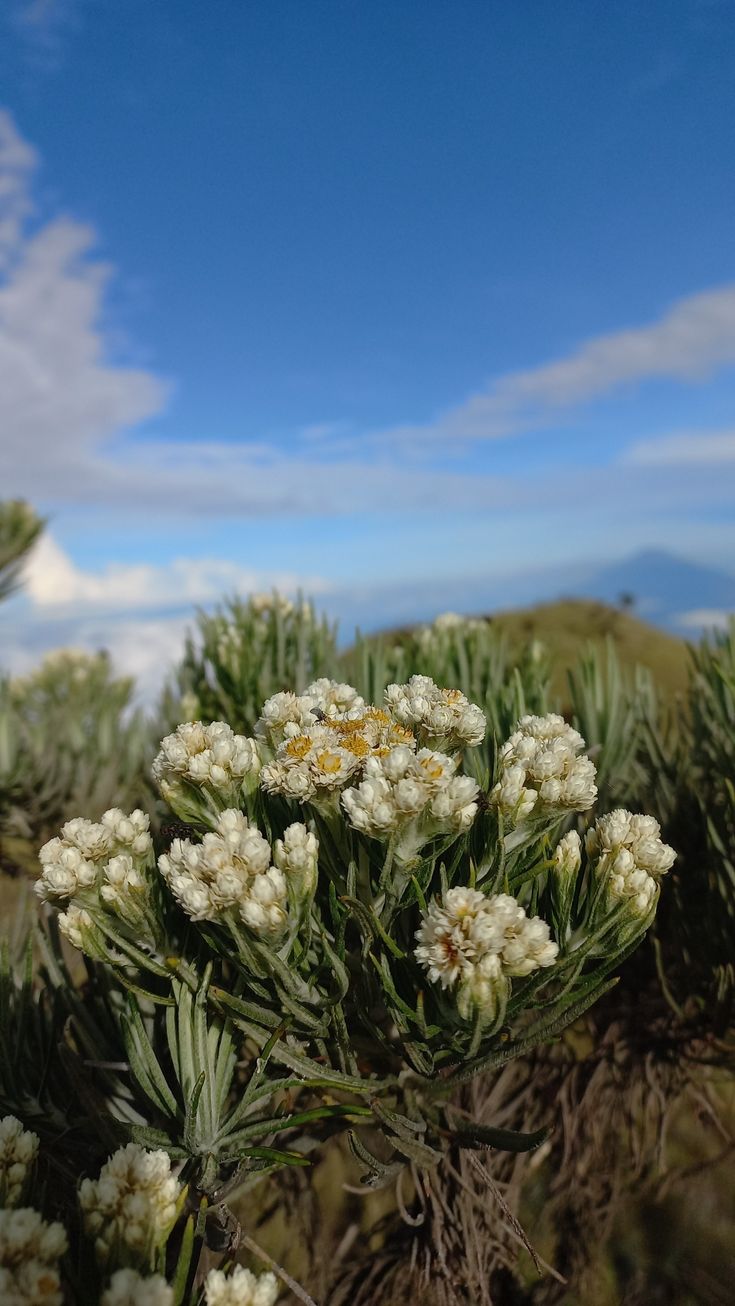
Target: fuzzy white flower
627	849
334	699
540	766
475	943
297	856
30	1250
568	855
74	924
442	717
418	794
129	833
283	715
91	838
455	933
133	1202
241	1288
311	764
64	871
128	1288
264	604
211	757
230	870
18	1151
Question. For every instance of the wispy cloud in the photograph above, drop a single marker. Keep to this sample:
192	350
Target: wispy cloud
72	414
61	396
683	448
43	25
53	582
692	339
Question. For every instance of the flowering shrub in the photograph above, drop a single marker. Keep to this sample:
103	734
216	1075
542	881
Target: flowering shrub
353	917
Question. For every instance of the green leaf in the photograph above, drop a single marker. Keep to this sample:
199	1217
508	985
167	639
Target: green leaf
467	1134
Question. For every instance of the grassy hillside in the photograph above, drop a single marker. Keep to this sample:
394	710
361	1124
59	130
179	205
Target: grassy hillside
566	626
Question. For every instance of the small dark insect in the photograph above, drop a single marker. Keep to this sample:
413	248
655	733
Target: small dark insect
177	830
317	712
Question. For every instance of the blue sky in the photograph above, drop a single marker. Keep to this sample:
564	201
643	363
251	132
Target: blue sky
350	293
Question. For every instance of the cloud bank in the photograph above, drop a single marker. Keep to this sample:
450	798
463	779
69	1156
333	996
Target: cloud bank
71	413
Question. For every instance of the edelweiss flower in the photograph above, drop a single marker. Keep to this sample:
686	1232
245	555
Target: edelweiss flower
476	943
230	870
418	790
77	926
334	699
540	766
128	1288
297	856
283	715
129	834
133	1202
18	1151
441	717
568	855
241	1288
209	757
311	764
30	1251
627	849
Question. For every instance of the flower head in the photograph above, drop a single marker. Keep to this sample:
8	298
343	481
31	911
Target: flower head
132	1205
230	870
297	856
241	1288
627	850
128	1288
18	1151
30	1250
440	717
476	943
211	758
411	795
540	767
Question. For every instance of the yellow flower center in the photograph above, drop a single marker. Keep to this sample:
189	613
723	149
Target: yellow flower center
299	746
358	746
329	763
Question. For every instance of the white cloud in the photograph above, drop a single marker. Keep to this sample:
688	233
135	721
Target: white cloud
61	397
43	24
53	581
683	448
690	341
699	619
68	410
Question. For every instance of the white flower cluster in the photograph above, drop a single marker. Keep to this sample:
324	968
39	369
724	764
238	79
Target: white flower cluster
568	855
230	870
18	1151
297	856
286	714
477	943
132	1204
541	766
30	1251
415	794
128	1288
628	851
81	856
263	604
446	626
439	717
241	1288
316	759
309	765
210	757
